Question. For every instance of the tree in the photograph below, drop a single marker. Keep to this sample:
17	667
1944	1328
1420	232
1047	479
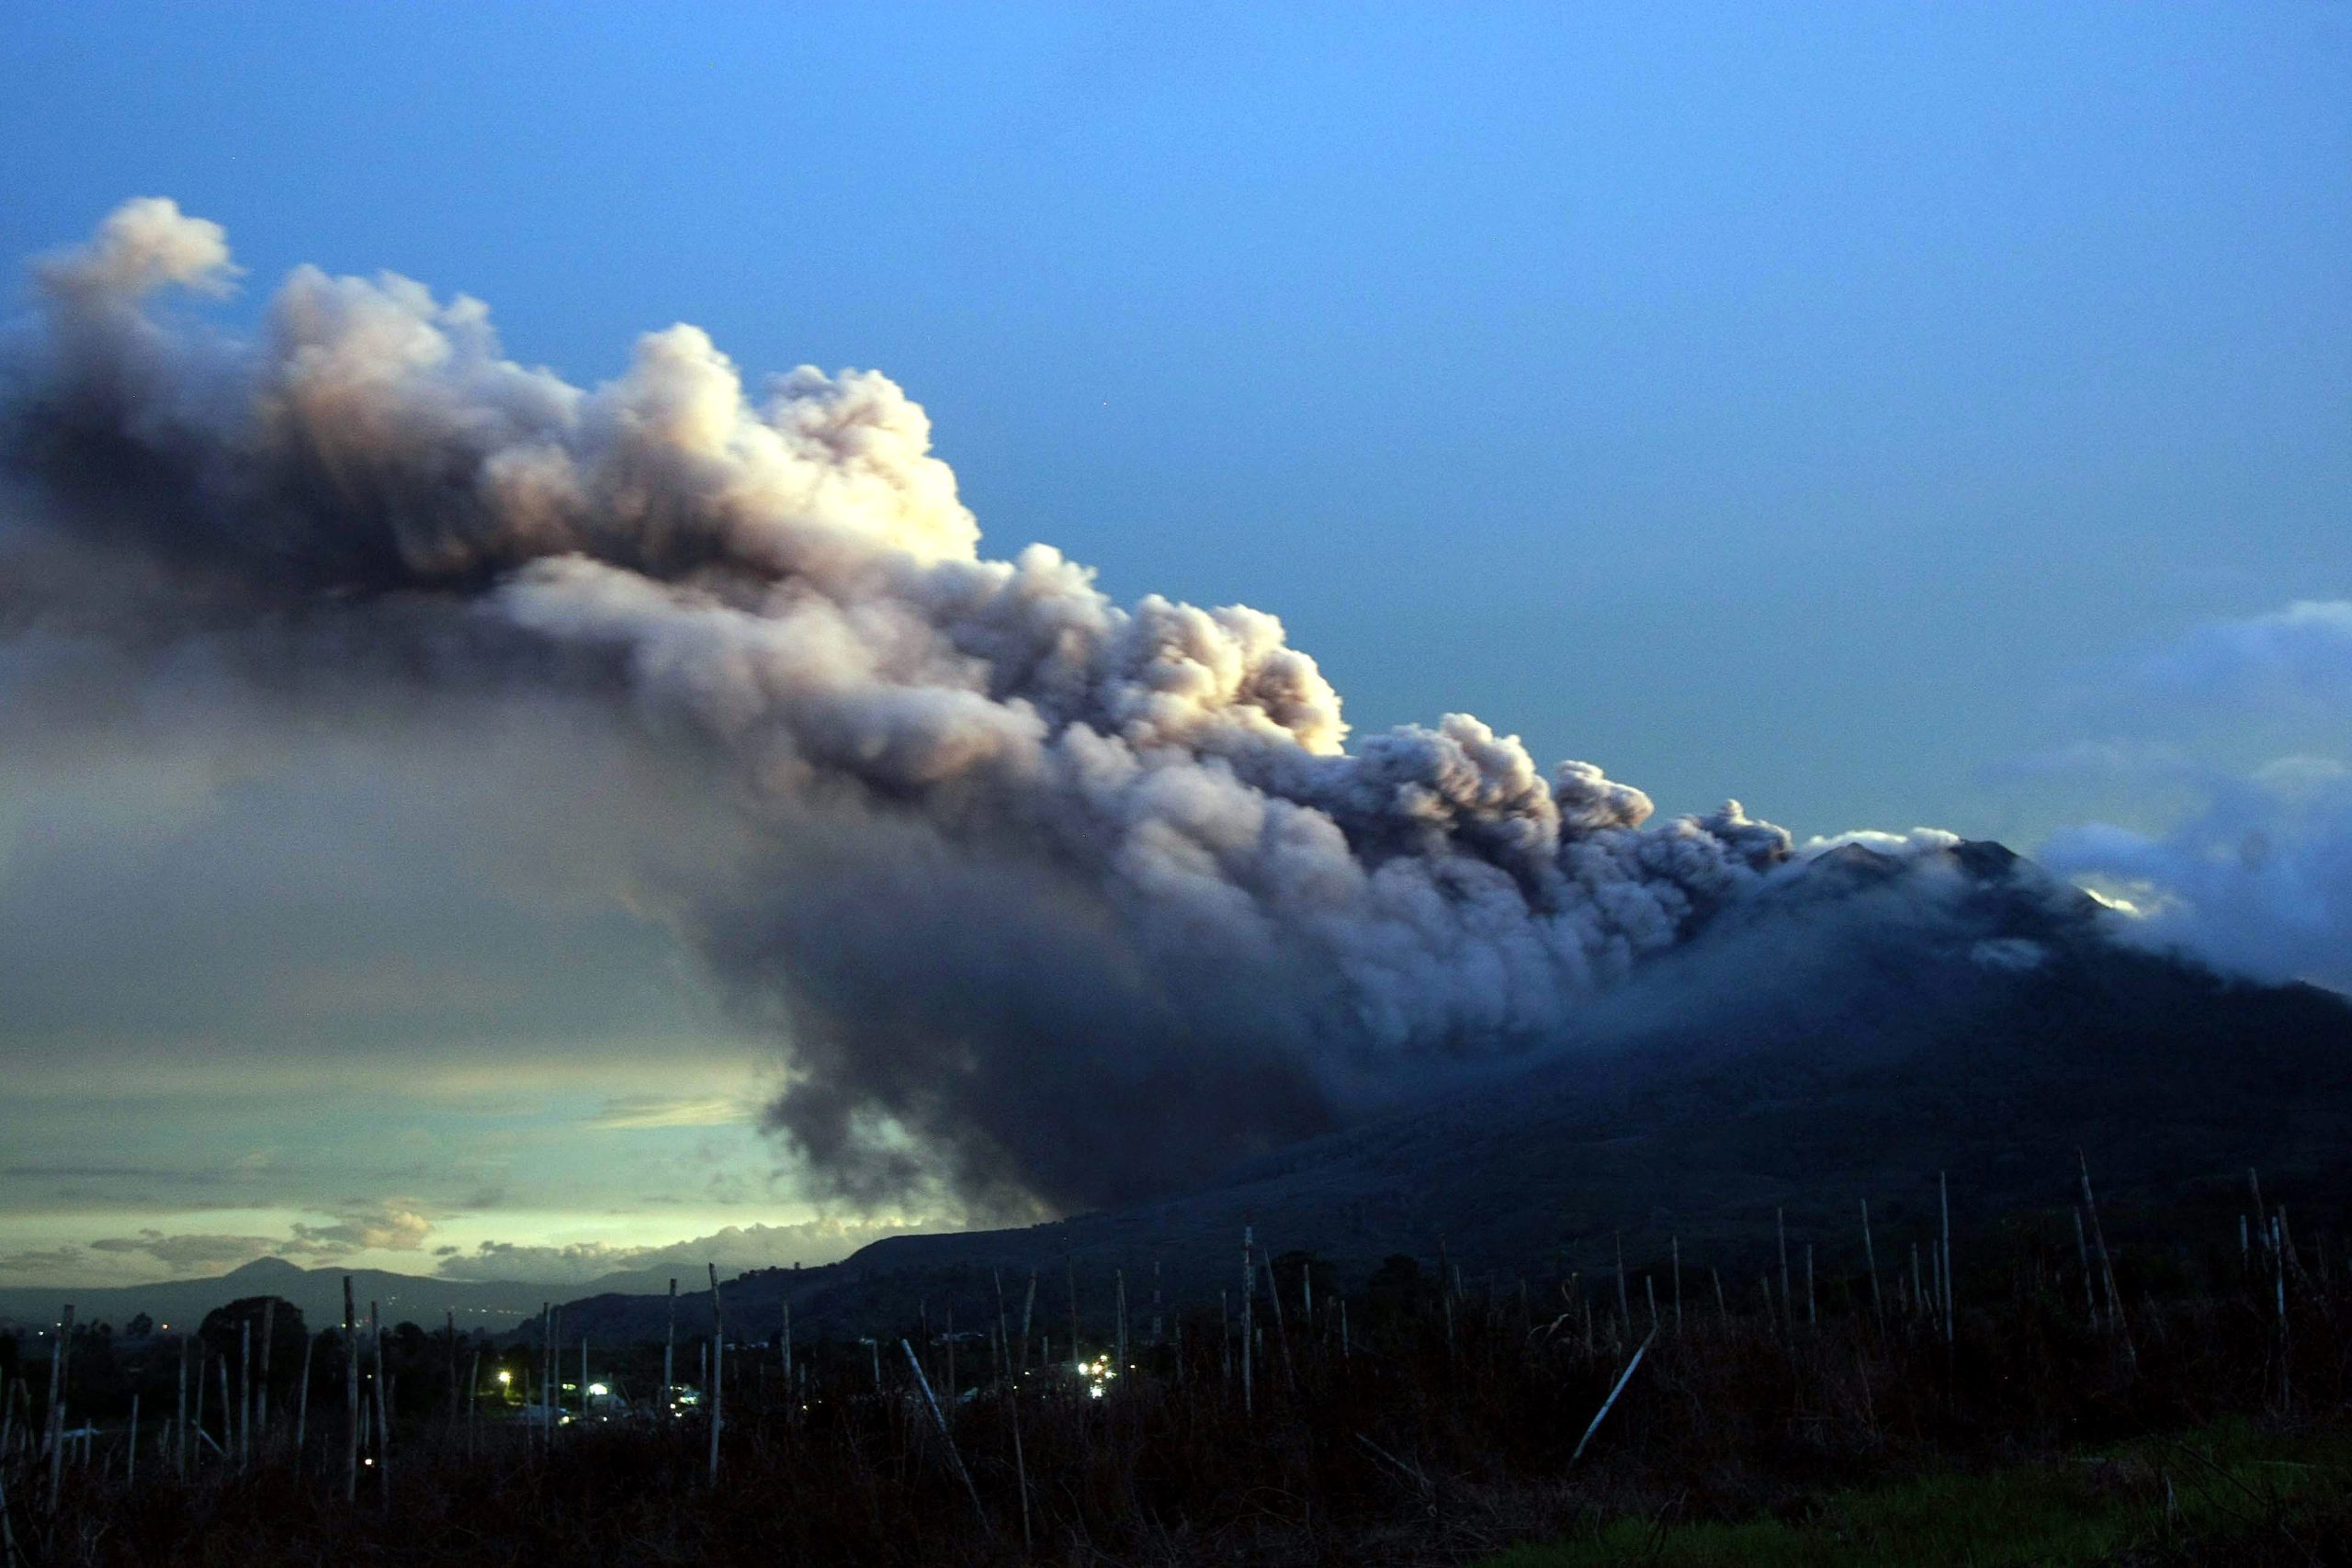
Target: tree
141	1327
221	1332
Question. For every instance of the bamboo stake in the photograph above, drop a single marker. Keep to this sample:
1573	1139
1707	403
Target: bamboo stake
2107	1266
1723	1308
383	1408
1021	1473
1649	1288
1248	1291
1674	1249
1119	1278
203	1362
1624	1378
670	1348
1812	1317
1028	1305
130	1469
955	1460
787	1345
718	1366
449	1325
179	1420
1625	1313
350	1395
1943	1195
268	1334
473	1399
1870	1256
2083	1250
228	1415
1781	1225
56	1422
1004	1325
1281	1337
1071	1270
243	1414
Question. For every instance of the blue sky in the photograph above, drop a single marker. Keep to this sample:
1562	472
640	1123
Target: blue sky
1817	405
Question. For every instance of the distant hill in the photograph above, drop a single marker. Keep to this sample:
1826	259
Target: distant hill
317	1291
1869	1023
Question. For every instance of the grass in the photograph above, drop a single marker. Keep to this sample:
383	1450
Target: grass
2231	1492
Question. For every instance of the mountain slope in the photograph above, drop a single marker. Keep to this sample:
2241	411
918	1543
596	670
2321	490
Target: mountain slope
1871	1022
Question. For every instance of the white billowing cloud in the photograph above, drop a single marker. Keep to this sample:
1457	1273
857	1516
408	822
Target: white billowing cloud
1057	897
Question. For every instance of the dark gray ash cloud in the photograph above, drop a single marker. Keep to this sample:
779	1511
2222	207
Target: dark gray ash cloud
1054	897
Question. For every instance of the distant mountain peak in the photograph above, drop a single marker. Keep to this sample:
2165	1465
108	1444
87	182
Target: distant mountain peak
265	1268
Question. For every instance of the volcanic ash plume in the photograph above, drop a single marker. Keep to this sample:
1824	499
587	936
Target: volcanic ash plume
1059	899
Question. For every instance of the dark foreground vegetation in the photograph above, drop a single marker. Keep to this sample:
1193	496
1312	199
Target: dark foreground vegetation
2175	1405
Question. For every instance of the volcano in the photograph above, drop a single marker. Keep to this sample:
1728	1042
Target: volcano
1872	1025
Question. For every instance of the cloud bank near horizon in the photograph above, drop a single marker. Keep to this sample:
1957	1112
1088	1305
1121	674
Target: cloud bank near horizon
2256	874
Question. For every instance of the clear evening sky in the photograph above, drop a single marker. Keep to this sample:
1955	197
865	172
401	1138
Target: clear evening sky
1884	414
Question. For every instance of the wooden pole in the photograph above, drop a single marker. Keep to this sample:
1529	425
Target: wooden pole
449	1326
473	1399
1119	1279
131	1467
1028	1305
670	1348
1674	1249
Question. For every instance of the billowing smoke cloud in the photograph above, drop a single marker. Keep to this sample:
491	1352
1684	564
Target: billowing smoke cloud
2256	875
1057	897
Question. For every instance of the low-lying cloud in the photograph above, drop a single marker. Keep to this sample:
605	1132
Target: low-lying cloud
735	1249
2254	873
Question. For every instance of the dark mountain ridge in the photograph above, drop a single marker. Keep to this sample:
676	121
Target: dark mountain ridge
1869	1020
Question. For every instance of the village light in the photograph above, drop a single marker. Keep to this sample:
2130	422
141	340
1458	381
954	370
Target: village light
599	1390
504	1378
